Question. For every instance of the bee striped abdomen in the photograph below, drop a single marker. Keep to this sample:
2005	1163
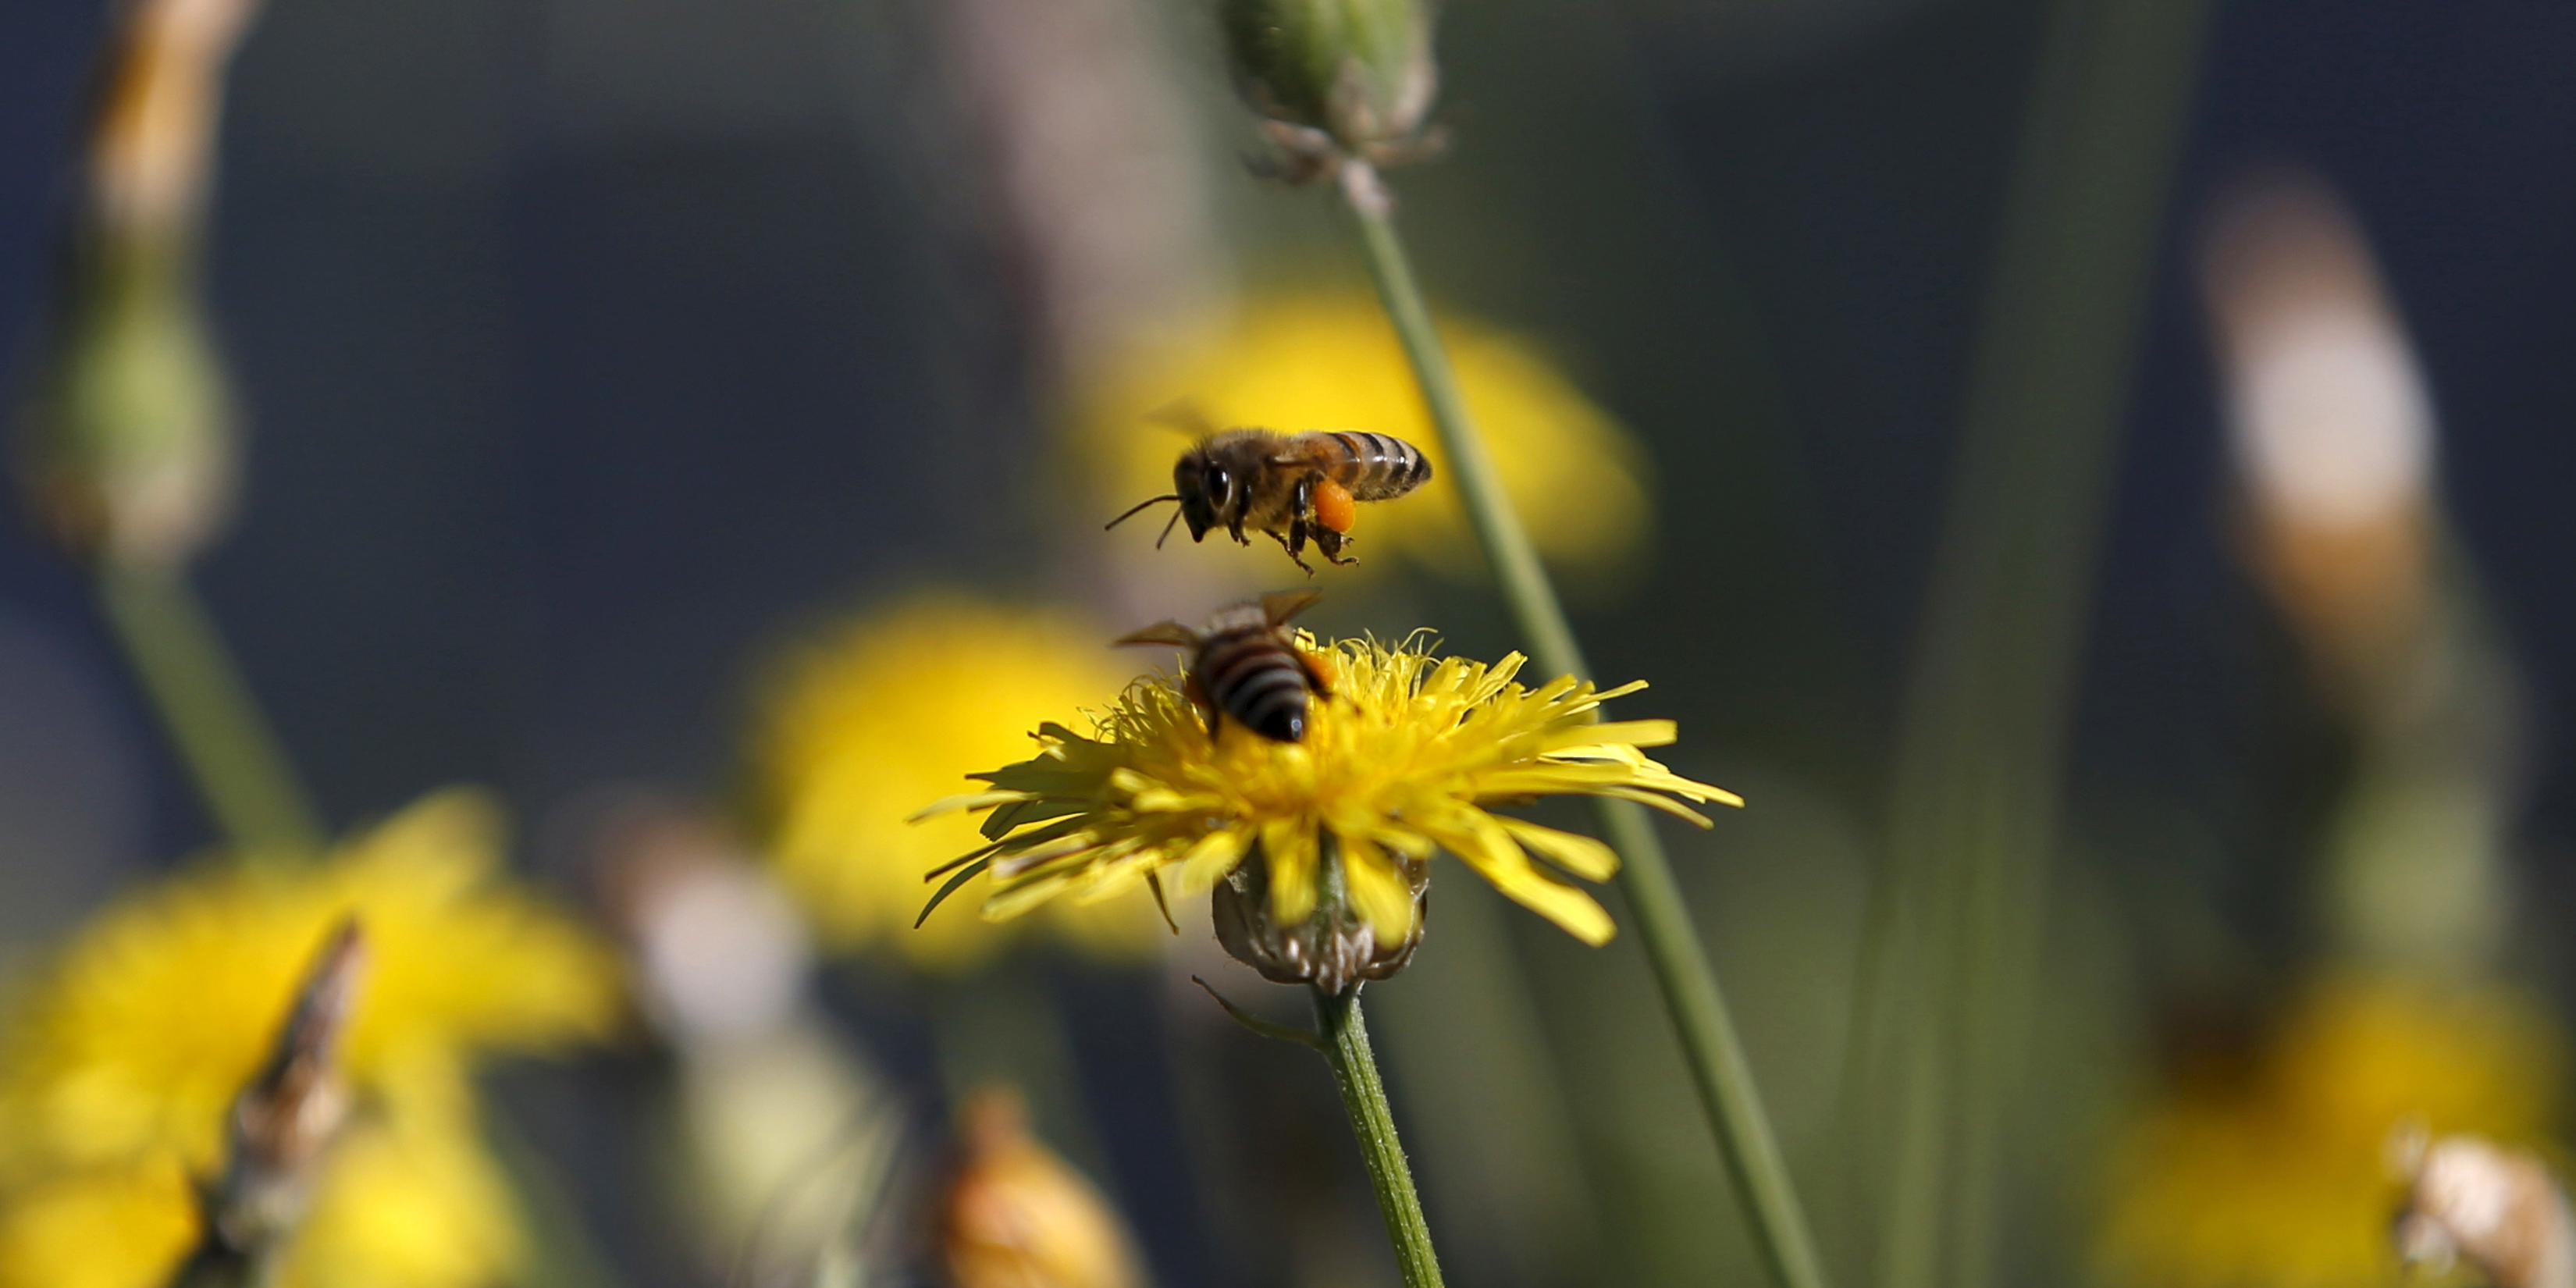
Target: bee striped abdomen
1250	675
1381	466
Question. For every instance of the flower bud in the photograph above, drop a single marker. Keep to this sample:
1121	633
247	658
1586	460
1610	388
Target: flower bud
1333	948
1018	1216
1360	71
128	451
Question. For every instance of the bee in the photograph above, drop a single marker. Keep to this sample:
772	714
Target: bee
1296	487
1245	663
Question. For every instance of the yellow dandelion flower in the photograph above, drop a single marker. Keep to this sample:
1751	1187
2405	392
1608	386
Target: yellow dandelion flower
119	1065
2279	1179
402	1203
862	726
1401	762
1305	362
408	1203
103	1227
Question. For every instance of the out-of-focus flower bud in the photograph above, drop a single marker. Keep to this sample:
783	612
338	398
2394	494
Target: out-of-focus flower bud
1017	1216
1358	71
128	451
1334	948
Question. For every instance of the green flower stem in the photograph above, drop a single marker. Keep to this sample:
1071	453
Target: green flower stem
1715	1055
227	746
1981	751
1346	1046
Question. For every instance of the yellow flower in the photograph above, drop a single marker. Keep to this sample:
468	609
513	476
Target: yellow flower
119	1065
121	1226
1304	362
2279	1179
863	725
1401	762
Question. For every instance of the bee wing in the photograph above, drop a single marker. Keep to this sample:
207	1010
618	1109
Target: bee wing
1185	415
1280	605
1172	633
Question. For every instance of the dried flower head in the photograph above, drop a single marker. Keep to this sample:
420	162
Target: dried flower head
1401	763
120	1066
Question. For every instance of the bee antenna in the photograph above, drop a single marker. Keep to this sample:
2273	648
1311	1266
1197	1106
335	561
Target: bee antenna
1174	522
1143	505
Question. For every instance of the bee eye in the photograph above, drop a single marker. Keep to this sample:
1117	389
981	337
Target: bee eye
1220	485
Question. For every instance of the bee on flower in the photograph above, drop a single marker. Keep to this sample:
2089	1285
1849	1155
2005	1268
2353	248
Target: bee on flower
1317	850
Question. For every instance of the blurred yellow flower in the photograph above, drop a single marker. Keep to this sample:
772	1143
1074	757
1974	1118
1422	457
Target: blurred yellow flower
1399	764
1301	362
120	1063
118	1226
862	725
2280	1179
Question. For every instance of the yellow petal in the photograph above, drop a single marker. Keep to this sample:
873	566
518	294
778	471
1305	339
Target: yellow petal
965	802
1013	900
1379	890
1486	847
1012	865
1634	733
1580	855
1665	803
1289	845
1208	861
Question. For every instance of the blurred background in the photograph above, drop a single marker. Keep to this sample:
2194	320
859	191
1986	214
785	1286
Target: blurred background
637	397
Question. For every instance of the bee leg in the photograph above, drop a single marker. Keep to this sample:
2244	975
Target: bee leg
1331	543
1293	556
1318	673
1198	697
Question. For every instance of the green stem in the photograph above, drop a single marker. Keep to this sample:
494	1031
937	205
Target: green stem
1710	1047
1981	753
1346	1046
228	748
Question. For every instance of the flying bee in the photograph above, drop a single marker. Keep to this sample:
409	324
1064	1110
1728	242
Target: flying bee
1245	663
1296	487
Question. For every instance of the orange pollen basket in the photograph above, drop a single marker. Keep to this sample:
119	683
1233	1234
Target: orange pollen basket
1334	507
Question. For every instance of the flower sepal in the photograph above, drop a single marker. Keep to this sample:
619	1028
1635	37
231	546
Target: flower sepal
1335	946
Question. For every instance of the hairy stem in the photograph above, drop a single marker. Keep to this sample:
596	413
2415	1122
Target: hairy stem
1710	1047
1346	1046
